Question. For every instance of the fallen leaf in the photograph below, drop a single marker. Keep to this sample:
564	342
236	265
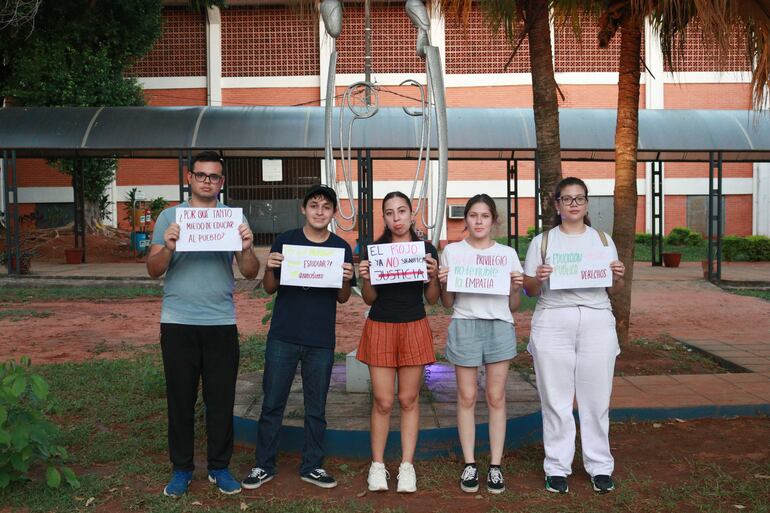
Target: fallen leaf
90	501
657	425
362	494
113	490
739	506
244	506
679	420
80	498
478	497
761	476
196	503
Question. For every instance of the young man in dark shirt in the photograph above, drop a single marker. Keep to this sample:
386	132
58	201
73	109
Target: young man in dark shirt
302	329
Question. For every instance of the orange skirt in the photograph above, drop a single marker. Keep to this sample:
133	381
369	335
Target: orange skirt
396	344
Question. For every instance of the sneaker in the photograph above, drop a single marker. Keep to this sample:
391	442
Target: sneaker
320	478
556	484
177	487
469	480
256	478
495	482
407	480
602	483
378	477
225	481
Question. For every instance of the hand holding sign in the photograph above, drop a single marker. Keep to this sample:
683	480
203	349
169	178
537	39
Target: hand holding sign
487	272
581	269
398	262
209	229
310	266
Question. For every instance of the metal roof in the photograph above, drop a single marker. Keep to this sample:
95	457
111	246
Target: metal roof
474	134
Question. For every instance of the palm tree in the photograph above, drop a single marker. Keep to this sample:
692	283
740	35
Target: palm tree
717	19
530	19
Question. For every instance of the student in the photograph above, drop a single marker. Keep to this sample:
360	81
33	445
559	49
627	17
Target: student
481	333
301	330
573	344
198	335
397	340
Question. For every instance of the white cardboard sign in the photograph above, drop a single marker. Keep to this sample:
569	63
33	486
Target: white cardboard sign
398	262
581	269
311	266
209	229
480	272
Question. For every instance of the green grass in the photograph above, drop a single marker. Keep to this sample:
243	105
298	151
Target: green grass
20	315
763	294
120	291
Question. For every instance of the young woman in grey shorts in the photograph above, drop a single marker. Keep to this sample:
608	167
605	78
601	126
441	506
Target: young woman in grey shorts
481	333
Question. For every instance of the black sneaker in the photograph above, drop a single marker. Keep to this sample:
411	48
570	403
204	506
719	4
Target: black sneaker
495	482
602	483
320	478
556	484
469	480
256	478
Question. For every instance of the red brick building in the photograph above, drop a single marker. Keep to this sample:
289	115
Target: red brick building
272	55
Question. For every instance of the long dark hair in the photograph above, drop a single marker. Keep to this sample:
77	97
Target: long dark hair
387	235
485	199
570	180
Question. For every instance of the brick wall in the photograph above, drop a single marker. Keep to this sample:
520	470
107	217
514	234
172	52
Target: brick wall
702	54
181	49
273	96
175	97
37	173
582	54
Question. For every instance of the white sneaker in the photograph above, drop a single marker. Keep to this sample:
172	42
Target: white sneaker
378	477
407	480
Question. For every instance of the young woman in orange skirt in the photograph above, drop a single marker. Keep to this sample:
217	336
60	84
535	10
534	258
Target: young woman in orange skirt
397	340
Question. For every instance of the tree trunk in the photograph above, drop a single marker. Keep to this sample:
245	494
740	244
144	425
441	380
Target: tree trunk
545	104
626	143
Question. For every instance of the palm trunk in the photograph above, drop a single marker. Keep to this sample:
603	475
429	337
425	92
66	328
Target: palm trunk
545	104
626	143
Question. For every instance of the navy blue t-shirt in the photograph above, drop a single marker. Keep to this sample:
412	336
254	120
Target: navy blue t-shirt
306	315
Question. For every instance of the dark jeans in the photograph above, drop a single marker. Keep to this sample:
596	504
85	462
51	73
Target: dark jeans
281	359
189	353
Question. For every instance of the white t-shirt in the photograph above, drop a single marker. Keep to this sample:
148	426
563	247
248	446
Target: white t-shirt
558	241
481	306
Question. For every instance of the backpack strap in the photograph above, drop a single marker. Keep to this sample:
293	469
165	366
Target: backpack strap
603	237
544	246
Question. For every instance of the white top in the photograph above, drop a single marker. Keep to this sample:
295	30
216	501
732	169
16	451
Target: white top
558	241
481	306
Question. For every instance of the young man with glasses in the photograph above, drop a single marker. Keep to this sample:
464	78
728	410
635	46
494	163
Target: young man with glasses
198	334
302	330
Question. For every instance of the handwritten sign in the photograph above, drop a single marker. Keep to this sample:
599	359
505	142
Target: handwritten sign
209	229
397	263
311	266
487	272
581	269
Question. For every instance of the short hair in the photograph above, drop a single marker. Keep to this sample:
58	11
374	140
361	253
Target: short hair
323	191
207	156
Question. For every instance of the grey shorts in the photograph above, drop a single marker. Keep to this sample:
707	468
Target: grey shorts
475	342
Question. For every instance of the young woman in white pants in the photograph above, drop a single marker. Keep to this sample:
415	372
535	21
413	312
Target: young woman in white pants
481	333
573	344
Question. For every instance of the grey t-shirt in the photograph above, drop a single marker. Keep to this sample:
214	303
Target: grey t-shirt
199	285
559	241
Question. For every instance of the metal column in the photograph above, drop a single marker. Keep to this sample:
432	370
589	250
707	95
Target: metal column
365	198
538	207
513	193
12	222
181	176
657	213
715	218
79	199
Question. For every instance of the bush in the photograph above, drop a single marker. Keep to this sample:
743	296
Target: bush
755	248
531	233
681	236
643	238
27	437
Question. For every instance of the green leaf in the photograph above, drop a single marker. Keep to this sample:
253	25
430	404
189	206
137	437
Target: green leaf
5	480
39	387
52	477
19	385
20	437
3	415
5	437
70	477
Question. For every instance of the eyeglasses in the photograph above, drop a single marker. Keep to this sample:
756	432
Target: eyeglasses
200	177
569	200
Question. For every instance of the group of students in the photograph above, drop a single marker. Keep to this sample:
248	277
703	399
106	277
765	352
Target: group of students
572	341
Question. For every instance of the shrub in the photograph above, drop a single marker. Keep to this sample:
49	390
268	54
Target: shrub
681	236
531	233
27	437
643	238
755	248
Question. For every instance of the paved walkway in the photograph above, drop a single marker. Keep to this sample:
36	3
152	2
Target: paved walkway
438	400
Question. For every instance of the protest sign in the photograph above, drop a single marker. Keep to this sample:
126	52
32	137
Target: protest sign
581	269
479	272
209	229
398	262
312	266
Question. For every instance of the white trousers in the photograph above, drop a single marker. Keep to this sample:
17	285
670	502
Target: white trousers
574	351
